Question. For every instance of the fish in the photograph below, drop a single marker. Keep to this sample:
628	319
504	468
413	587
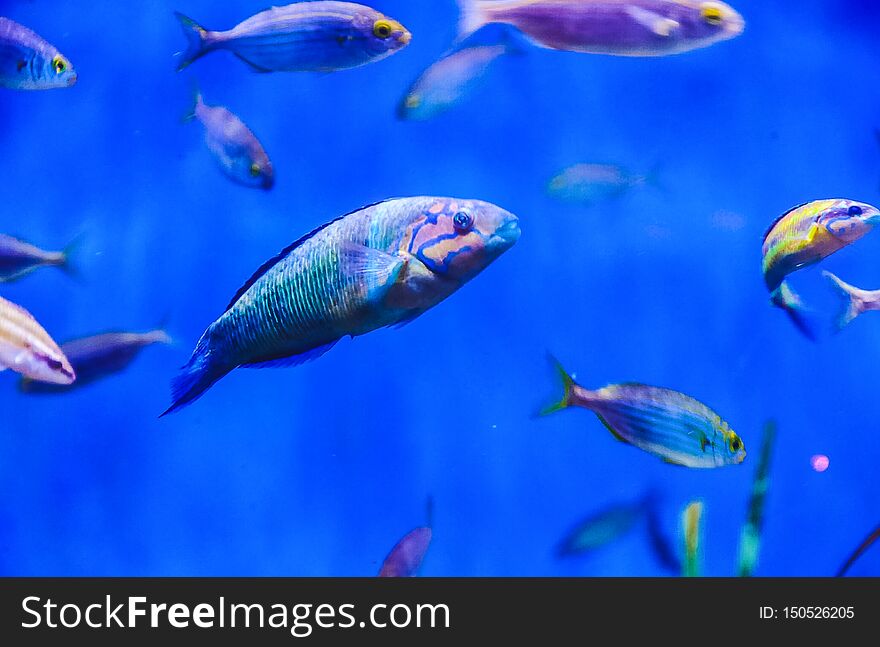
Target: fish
236	149
449	80
319	36
750	539
19	259
97	357
381	265
855	300
26	348
593	183
28	62
804	236
602	528
670	425
406	558
661	546
690	521
615	27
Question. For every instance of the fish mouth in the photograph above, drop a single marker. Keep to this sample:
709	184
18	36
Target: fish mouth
735	25
509	232
72	80
404	38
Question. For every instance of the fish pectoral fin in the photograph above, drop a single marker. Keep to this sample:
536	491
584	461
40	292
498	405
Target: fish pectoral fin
254	67
292	360
657	24
374	269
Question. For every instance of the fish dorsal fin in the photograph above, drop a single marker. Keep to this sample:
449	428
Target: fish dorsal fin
779	219
265	267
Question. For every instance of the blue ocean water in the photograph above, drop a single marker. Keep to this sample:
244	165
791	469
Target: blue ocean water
319	470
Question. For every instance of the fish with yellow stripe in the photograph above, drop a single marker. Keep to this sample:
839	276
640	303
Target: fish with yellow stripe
805	235
668	424
382	265
26	348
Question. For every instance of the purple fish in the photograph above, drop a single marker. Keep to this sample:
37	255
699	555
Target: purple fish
619	27
406	557
236	149
321	36
18	258
27	62
93	358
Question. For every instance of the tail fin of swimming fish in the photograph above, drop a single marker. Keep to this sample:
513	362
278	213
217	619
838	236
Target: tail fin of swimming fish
65	264
567	386
787	299
195	40
852	297
472	15
197	376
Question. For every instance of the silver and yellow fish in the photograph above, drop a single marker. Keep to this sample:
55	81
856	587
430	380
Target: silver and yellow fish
26	348
381	265
662	422
28	62
805	235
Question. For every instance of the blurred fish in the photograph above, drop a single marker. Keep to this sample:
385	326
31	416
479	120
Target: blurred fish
690	520
750	540
27	349
452	78
603	528
382	265
405	559
661	545
861	550
668	424
27	62
592	183
18	258
99	356
619	27
236	149
855	301
318	36
804	236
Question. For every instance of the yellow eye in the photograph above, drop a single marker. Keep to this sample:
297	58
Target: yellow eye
382	29
712	14
255	170
735	443
59	64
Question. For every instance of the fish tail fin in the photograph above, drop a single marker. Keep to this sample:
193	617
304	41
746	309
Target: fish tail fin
65	263
472	16
160	336
786	298
196	376
853	303
567	388
195	40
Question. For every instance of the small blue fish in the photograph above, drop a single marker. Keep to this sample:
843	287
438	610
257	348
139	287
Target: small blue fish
27	62
236	149
320	36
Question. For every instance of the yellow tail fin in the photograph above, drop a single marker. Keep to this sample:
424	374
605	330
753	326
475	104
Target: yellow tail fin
567	386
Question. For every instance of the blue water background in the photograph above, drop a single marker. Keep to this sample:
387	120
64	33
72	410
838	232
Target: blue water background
319	470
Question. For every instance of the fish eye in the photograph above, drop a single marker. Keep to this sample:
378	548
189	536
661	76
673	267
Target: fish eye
712	14
735	444
54	364
255	170
59	64
463	222
382	29
855	211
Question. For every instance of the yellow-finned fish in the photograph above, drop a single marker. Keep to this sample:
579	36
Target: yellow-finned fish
805	235
28	349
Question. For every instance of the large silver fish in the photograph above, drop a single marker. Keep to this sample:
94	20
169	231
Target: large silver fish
27	62
379	266
321	36
25	347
